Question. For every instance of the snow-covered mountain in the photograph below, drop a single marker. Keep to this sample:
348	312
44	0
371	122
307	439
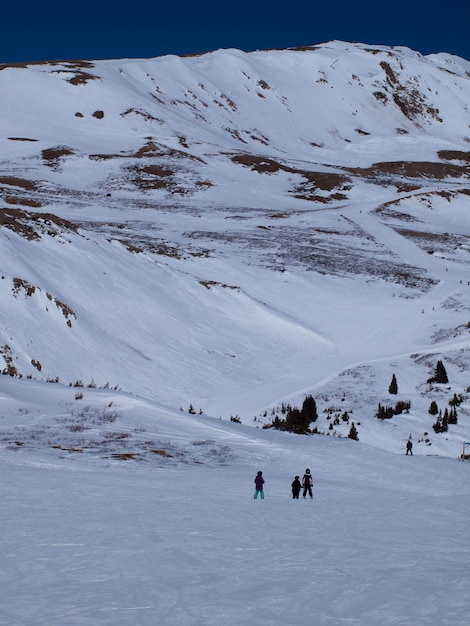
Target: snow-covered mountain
234	231
191	243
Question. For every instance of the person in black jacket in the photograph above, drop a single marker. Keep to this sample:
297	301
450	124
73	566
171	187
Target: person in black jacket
296	486
307	483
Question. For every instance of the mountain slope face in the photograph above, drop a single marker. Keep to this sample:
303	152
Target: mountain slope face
235	230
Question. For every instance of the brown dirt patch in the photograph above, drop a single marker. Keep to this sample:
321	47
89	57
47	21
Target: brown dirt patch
21	139
34	204
32	225
162	453
52	156
324	181
454	155
13	181
411	169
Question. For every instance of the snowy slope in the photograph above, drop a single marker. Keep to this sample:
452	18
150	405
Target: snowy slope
118	511
235	231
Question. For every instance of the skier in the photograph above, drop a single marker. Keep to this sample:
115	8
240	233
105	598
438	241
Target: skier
409	447
259	482
296	488
307	483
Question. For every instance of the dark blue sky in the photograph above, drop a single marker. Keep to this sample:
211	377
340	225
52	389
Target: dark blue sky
81	29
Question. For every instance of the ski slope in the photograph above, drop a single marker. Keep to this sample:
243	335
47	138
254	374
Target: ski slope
88	538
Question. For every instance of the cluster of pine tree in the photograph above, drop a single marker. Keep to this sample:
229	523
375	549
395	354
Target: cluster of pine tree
386	412
441	425
297	420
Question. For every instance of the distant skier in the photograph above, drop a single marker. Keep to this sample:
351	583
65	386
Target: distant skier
259	482
409	447
307	482
296	486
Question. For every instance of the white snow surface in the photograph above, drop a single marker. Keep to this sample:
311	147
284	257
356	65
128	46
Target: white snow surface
88	538
186	246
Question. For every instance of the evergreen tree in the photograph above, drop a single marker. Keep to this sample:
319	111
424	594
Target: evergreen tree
437	426
456	400
393	388
353	432
433	410
309	410
440	374
452	416
296	422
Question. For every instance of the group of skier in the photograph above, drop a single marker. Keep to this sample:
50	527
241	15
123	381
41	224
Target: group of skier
306	484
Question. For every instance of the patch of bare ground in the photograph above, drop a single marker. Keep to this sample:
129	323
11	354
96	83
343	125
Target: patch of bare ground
21	285
445	244
148	177
444	334
52	156
21	139
378	172
279	216
174	178
79	68
138	241
385	211
13	181
32	225
208	284
424	198
144	114
411	101
18	200
307	190
150	150
299	49
91	431
10	369
454	155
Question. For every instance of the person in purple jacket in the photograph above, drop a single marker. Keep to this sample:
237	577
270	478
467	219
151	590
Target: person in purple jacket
259	482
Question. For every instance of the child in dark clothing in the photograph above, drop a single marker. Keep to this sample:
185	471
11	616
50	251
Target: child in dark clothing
296	486
259	482
307	483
